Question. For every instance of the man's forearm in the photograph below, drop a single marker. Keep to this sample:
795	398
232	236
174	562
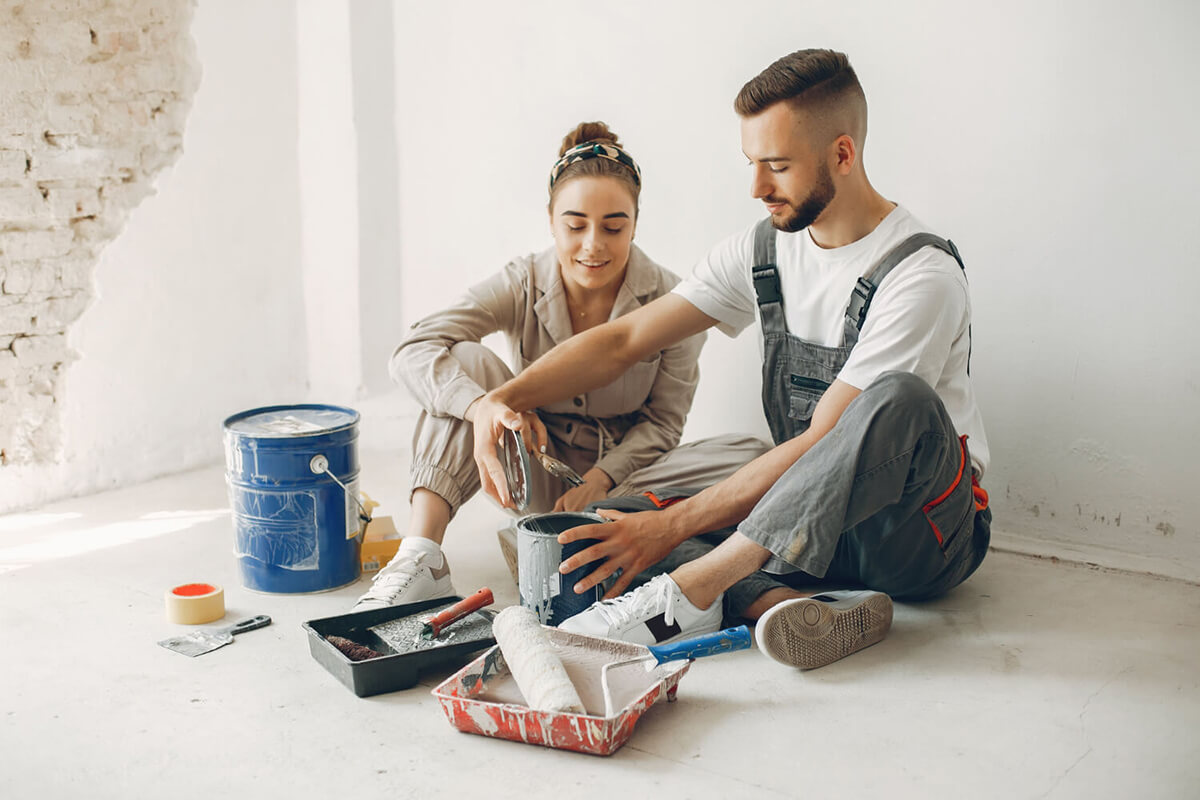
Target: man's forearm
584	362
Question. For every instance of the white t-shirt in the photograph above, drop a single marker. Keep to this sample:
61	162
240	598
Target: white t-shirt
918	320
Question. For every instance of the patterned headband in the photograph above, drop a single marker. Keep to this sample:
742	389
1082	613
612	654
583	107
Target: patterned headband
582	152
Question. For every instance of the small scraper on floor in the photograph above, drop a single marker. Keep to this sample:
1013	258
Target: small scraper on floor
197	643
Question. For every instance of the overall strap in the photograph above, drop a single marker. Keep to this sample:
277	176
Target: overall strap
864	290
766	279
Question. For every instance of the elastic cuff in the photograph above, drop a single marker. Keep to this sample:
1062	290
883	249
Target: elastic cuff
437	480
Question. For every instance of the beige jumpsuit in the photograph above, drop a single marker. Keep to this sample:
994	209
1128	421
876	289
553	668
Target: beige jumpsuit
629	428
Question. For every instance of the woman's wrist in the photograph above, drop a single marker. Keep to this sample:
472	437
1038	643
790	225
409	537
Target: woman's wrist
469	414
599	476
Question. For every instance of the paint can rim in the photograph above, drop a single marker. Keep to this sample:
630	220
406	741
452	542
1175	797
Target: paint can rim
243	416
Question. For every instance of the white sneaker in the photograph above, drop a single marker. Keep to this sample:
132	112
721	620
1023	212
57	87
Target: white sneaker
810	632
417	572
655	613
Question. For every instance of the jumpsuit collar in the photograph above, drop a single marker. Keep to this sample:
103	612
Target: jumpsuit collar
551	305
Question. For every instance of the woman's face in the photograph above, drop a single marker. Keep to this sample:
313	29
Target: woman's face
592	219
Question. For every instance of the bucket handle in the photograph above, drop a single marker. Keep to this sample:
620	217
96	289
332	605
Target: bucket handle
320	465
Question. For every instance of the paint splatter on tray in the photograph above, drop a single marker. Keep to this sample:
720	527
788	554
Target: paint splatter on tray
404	635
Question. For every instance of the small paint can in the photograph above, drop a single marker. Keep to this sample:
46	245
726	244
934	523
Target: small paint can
550	594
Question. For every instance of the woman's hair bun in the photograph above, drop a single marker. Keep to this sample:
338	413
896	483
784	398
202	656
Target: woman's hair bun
588	132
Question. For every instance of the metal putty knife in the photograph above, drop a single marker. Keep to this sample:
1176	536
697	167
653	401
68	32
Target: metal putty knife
197	643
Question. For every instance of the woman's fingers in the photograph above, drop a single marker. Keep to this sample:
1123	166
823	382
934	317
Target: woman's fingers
541	436
491	422
528	434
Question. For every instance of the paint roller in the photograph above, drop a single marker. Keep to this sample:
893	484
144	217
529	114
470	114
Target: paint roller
530	656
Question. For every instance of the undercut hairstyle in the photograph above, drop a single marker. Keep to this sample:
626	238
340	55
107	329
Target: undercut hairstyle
819	82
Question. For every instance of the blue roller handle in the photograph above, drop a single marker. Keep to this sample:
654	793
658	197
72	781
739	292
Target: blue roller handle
708	644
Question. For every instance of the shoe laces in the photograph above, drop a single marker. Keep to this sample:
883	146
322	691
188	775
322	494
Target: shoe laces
398	574
657	595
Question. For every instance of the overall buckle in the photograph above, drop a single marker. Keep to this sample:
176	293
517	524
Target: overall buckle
766	284
860	301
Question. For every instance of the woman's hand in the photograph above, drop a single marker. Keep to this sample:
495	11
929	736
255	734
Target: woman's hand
492	420
596	484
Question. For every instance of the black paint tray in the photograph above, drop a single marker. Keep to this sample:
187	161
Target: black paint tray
394	671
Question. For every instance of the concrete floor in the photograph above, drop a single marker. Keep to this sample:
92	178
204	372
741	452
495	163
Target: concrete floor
1033	679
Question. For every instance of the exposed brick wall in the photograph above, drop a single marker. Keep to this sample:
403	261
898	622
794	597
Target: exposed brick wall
93	100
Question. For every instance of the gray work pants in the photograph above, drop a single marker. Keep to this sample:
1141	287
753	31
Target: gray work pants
884	500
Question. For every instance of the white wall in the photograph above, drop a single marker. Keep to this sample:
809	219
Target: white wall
1053	141
198	310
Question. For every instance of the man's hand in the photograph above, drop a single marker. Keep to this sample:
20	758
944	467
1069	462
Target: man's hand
631	542
492	420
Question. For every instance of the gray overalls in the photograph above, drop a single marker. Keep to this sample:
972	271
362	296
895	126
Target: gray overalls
887	499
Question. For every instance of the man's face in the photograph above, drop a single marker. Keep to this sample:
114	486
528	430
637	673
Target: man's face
791	179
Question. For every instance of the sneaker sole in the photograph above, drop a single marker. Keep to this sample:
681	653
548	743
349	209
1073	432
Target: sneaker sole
809	634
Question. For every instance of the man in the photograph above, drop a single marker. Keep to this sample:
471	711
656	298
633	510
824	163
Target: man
865	321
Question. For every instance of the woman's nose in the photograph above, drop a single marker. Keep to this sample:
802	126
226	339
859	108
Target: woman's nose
591	241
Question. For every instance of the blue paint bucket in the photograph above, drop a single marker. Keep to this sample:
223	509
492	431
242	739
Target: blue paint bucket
293	489
550	594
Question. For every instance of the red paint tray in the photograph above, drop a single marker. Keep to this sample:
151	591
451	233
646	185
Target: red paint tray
483	698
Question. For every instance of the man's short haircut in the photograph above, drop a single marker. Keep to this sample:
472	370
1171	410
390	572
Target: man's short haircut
821	82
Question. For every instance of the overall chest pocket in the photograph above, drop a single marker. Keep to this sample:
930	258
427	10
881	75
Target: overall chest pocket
803	395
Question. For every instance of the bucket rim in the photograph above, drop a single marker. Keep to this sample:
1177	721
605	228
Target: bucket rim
592	516
242	415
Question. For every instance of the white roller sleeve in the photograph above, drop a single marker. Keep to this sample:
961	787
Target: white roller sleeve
530	656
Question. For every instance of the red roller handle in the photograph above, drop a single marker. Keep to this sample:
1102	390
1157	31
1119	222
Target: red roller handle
454	613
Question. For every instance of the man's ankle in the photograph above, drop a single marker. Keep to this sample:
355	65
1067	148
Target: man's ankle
698	592
770	598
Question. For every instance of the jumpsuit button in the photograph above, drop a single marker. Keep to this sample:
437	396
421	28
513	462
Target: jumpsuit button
570	426
578	401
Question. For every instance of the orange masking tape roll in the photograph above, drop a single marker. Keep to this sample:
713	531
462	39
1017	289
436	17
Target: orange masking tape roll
195	603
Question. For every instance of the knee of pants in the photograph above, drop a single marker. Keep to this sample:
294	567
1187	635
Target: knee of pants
902	394
478	361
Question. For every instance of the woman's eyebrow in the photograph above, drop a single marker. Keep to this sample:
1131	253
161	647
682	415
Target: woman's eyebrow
614	215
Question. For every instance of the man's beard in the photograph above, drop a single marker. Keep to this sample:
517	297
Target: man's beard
811	207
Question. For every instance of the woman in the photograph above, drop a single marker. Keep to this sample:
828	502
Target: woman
619	438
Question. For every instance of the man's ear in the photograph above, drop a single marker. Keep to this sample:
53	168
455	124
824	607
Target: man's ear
846	154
